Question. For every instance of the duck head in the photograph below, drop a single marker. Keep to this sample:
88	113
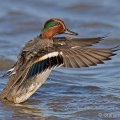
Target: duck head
53	27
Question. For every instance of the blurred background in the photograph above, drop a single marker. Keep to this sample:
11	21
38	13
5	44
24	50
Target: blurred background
71	94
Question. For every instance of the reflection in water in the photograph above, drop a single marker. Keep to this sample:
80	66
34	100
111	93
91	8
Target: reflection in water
24	110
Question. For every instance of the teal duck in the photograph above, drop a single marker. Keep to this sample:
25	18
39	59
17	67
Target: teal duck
44	53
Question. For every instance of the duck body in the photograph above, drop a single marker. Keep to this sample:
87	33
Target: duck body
35	63
45	52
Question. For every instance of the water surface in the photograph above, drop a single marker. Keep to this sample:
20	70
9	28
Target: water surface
68	94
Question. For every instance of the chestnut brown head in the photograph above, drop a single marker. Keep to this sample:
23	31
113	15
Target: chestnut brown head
53	27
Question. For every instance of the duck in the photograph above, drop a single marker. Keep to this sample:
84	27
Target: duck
44	53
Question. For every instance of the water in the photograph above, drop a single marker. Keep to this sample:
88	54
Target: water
68	94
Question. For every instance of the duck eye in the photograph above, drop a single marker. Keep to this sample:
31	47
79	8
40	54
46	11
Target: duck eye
49	24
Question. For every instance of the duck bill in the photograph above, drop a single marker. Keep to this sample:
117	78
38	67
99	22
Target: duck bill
70	32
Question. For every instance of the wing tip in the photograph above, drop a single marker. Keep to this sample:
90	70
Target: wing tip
116	48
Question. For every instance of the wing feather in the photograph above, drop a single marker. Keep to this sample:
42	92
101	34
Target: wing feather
85	57
83	42
50	61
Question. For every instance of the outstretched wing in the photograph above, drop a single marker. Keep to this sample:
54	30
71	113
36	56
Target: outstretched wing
83	42
70	57
77	57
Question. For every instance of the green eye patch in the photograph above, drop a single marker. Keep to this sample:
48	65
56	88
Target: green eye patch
49	24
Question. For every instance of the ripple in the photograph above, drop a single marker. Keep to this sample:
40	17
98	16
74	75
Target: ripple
97	24
5	64
92	88
68	94
82	6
